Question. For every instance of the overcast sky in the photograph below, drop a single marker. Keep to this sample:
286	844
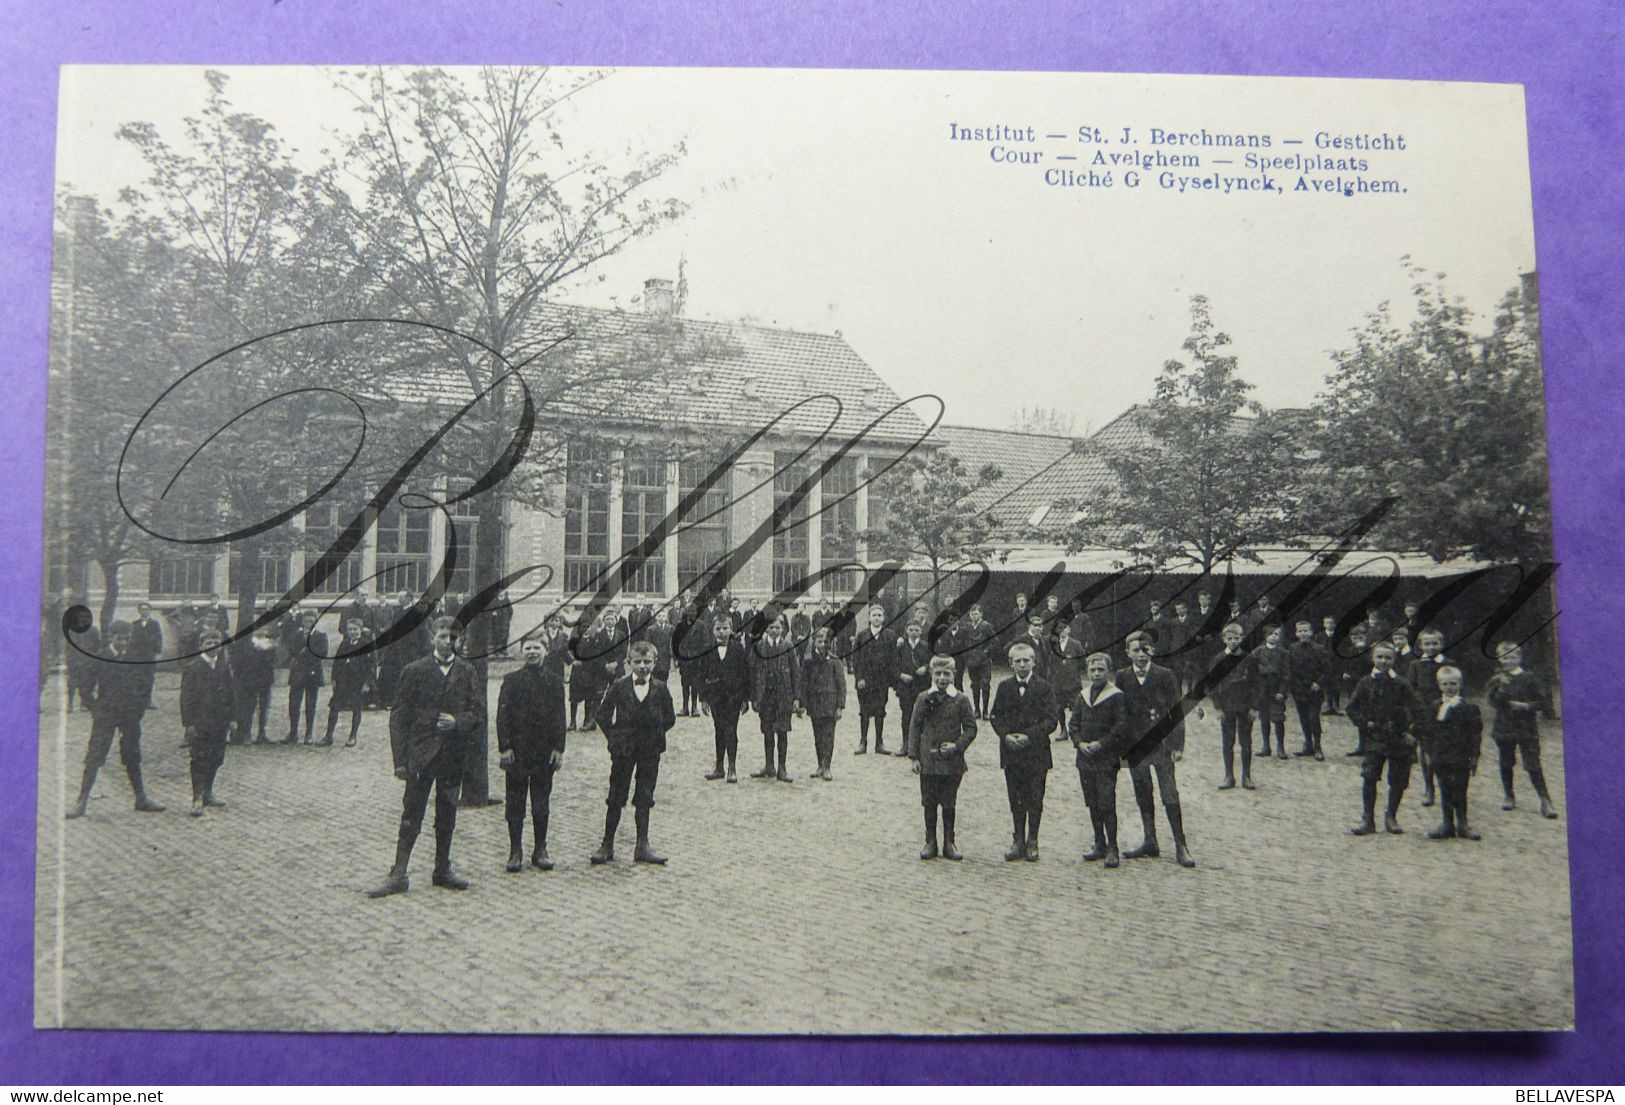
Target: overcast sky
836	201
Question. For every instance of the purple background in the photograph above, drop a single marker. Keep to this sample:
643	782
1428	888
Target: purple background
1567	54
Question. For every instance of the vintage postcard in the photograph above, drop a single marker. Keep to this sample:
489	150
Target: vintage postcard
775	552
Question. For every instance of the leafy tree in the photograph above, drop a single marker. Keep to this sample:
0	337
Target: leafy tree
474	211
926	515
1208	478
111	334
1447	420
231	208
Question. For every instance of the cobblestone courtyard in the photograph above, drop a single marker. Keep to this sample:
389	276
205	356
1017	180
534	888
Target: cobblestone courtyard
785	908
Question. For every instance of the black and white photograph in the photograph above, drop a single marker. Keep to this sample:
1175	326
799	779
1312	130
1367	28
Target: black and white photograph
776	552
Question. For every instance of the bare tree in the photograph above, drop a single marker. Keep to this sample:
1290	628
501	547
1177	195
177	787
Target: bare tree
1046	420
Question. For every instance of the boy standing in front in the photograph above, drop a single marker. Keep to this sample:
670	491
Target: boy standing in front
1024	715
1382	707
1423	679
439	709
208	716
1099	723
1518	696
944	726
530	739
1454	737
118	697
823	697
636	714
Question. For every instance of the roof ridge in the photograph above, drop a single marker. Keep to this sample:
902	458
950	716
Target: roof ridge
728	324
1007	430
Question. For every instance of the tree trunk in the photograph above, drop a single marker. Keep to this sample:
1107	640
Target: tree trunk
478	640
248	580
109	592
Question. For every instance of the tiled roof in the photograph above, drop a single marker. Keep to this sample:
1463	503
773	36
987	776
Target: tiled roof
641	368
1040	468
1069	474
1019	457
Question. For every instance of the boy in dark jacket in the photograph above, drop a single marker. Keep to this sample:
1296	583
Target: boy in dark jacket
1382	707
304	675
1327	640
823	697
530	739
1274	666
1352	660
977	638
944	726
1235	695
1308	675
724	678
1097	727
873	659
208	716
82	660
1024	715
1453	740
1423	679
254	662
636	714
914	670
775	693
1518	696
118	698
355	675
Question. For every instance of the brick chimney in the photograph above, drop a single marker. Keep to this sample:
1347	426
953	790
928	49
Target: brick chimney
657	297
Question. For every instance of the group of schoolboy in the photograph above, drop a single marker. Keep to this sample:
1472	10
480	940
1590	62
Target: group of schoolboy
612	673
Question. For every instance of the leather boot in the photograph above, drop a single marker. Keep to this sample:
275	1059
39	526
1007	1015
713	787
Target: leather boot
643	853
394	883
950	850
85	784
606	850
1390	819
1148	847
1099	851
1176	824
1368	797
516	860
143	804
930	849
1112	858
1547	810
